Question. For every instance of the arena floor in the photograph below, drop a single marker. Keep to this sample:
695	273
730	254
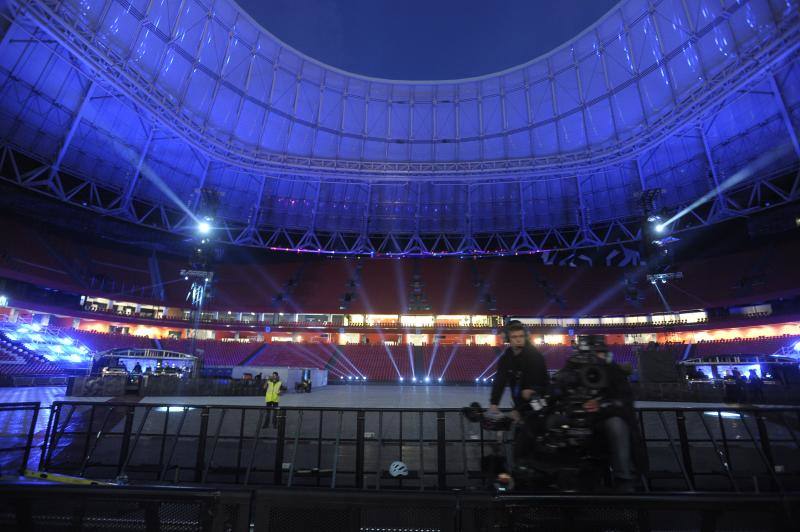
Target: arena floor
339	396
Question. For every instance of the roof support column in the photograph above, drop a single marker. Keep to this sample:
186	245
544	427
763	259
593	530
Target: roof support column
131	186
252	224
200	186
73	127
640	173
712	167
787	119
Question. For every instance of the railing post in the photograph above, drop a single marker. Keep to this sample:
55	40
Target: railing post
29	442
360	426
763	435
441	450
126	440
279	441
50	439
199	464
680	418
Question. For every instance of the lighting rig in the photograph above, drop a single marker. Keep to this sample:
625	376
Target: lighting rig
200	273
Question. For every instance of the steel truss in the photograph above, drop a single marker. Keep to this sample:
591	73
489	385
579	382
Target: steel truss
27	171
104	64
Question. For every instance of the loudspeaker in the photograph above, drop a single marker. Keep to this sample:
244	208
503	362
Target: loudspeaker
657	366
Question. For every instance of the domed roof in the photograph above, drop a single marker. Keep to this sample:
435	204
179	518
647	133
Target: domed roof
146	102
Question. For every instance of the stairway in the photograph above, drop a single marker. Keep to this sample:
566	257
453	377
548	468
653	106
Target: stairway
420	370
264	347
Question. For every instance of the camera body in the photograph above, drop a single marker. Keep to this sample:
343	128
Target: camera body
559	433
566	423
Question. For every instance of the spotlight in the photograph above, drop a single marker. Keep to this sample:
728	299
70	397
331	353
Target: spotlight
797	347
659	228
413	379
401	379
484	379
203	227
440	379
477	380
427	379
349	377
363	379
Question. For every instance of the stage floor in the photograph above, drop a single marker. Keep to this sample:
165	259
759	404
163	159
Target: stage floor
337	396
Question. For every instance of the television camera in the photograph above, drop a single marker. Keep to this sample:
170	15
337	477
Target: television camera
558	431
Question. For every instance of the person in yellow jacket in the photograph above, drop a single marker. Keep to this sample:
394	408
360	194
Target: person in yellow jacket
273	388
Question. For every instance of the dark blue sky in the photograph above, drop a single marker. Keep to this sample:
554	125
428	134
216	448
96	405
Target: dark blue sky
425	39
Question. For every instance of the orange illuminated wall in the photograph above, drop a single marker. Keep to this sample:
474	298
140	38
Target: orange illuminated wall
737	333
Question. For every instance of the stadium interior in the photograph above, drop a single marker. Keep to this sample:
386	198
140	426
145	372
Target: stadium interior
188	204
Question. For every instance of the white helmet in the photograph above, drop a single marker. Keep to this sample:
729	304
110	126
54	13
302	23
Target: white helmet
398	469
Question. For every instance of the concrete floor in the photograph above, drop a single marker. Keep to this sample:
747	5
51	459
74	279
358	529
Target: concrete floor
338	396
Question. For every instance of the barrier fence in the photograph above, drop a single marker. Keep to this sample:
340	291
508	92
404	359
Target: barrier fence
52	507
689	449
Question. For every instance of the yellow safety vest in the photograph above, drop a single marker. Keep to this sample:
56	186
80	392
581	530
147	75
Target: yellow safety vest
273	389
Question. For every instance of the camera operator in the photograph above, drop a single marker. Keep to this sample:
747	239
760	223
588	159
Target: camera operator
616	419
522	368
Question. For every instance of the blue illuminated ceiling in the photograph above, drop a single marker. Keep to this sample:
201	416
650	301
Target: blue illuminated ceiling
129	108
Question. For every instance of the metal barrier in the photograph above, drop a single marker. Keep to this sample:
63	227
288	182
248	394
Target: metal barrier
17	430
27	506
690	449
31	506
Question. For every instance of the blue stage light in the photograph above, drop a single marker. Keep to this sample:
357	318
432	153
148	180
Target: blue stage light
427	379
401	379
203	227
797	347
440	379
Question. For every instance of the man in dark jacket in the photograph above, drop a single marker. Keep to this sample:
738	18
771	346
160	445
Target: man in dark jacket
521	367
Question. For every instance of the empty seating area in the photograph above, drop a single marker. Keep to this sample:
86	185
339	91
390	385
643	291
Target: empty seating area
251	282
15	359
292	355
375	362
213	352
749	346
97	341
468	362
